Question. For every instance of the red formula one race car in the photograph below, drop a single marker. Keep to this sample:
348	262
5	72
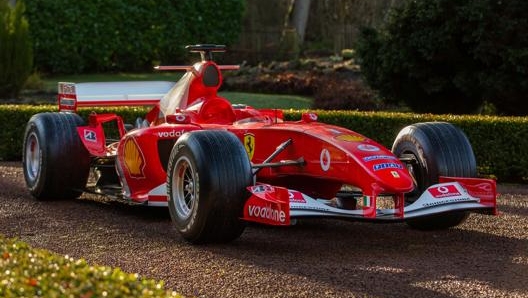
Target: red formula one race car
218	166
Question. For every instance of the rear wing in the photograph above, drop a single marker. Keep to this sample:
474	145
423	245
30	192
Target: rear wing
139	93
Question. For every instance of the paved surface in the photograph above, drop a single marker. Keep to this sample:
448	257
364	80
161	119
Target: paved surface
485	257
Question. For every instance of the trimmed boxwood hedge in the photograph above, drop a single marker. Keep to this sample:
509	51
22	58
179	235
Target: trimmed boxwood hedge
500	143
29	272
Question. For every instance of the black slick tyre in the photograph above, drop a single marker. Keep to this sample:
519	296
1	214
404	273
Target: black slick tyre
430	150
55	162
207	177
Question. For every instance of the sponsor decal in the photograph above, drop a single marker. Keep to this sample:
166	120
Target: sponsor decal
368	148
67	102
90	135
387	165
350	138
181	118
395	174
296	197
485	187
444	191
249	144
268	204
134	159
446	201
334	131
324	160
377	157
267	212
261	188
171	134
67	88
309	117
482	190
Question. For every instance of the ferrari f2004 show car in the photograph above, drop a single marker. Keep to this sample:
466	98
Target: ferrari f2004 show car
218	165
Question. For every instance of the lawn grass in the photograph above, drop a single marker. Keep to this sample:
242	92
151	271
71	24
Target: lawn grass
278	101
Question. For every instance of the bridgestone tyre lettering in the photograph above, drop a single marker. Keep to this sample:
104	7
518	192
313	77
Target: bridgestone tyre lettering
430	150
56	164
207	177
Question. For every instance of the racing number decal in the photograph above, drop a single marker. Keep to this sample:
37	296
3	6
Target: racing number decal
249	144
324	160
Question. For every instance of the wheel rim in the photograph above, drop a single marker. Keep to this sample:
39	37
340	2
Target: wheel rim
33	156
185	188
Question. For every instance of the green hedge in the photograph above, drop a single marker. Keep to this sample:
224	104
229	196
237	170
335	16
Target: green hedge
500	143
28	272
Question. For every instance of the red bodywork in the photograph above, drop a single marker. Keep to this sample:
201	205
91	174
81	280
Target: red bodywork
317	161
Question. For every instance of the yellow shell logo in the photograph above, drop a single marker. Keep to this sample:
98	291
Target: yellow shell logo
350	138
134	159
249	144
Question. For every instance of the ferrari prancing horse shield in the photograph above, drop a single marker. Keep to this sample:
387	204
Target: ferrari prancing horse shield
249	144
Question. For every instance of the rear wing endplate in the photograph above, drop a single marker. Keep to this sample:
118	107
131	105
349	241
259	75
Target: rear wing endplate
139	93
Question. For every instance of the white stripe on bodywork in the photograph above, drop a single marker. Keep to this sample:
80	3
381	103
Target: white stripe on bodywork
158	196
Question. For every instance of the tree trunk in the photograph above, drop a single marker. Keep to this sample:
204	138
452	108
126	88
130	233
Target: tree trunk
299	17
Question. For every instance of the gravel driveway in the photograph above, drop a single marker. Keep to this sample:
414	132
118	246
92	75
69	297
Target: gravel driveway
485	257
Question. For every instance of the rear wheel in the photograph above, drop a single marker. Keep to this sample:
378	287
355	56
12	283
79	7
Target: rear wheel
430	150
207	176
56	163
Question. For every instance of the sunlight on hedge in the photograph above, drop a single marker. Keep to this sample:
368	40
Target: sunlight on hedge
28	272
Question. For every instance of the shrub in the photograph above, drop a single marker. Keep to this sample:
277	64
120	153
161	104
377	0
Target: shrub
16	57
333	93
448	56
28	272
501	48
208	21
117	35
95	36
35	83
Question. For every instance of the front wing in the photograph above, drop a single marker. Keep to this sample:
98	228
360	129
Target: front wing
278	206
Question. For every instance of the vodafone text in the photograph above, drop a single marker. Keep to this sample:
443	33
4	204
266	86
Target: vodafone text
267	212
171	134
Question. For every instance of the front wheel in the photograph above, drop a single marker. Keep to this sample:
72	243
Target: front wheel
207	176
430	150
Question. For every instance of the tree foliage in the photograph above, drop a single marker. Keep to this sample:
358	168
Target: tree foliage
449	56
16	56
118	35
